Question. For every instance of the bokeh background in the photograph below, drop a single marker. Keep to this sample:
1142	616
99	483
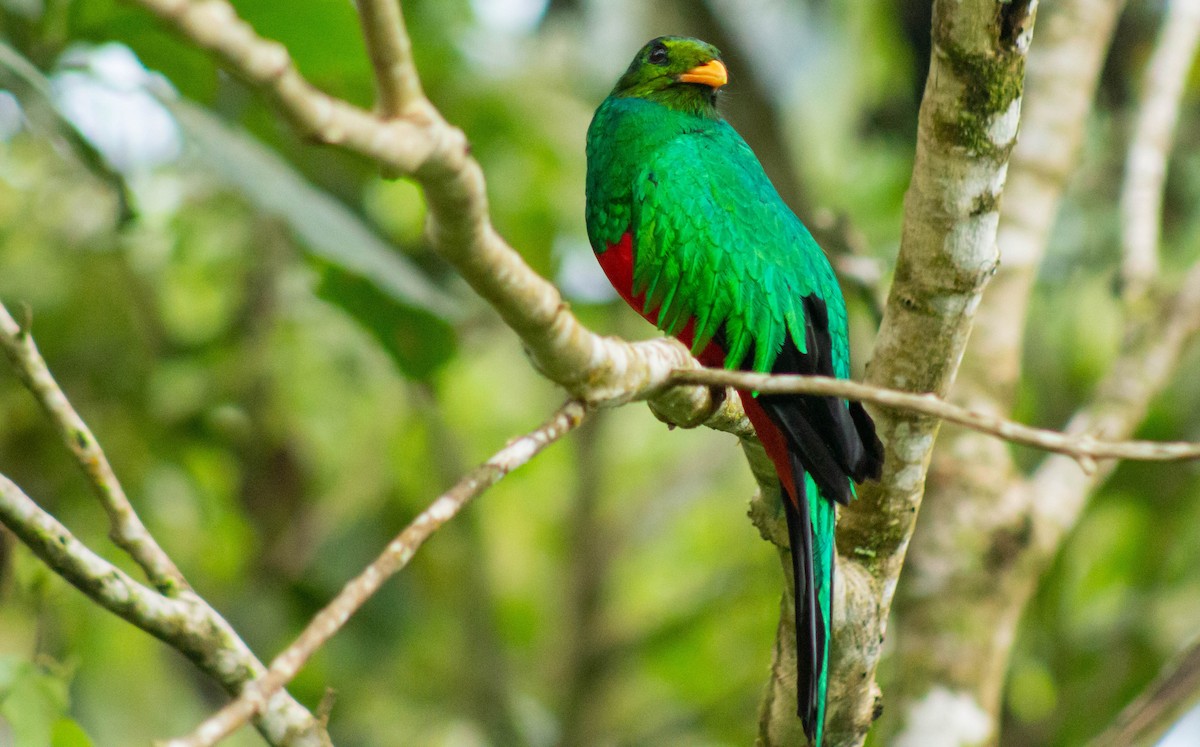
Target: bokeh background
283	374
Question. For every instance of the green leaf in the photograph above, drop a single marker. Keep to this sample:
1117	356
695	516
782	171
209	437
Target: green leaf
328	229
67	733
32	703
419	343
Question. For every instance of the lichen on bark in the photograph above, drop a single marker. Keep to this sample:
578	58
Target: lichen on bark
992	81
966	131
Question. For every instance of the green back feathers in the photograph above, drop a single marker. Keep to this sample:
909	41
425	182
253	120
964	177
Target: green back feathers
712	239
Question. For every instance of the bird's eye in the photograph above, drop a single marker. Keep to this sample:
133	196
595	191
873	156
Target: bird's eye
658	55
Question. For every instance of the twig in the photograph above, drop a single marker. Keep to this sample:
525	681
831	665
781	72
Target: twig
1173	692
177	616
1077	445
396	80
1150	146
100	580
186	622
1147	362
394	557
486	686
127	530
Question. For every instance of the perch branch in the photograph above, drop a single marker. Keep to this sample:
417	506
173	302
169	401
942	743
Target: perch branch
423	146
1078	445
394	557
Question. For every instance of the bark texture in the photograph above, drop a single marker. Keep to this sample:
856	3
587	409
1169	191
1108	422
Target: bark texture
988	532
966	132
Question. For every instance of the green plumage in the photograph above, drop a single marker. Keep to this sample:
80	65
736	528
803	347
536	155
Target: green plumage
713	244
714	240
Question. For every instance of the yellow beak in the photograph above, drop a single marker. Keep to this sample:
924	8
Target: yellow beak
711	73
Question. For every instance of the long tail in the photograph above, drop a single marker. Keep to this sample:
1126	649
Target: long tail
810	532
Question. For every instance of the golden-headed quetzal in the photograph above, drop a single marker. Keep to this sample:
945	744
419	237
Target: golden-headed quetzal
694	237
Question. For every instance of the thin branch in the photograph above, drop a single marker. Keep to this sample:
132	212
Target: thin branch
394	557
177	616
1169	696
396	80
1079	446
100	580
186	622
1148	361
1150	146
127	530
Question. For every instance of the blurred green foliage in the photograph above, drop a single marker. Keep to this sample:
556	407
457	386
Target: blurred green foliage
278	409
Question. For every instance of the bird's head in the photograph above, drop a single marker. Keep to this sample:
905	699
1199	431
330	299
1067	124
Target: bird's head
677	72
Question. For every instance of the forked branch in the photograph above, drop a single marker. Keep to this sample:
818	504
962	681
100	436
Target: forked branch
127	530
173	613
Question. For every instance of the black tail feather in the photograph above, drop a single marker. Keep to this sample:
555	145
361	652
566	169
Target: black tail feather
836	441
870	467
810	630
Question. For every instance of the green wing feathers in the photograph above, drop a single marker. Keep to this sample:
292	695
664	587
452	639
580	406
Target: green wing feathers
715	243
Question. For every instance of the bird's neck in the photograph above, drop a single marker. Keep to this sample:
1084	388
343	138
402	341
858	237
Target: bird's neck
691	100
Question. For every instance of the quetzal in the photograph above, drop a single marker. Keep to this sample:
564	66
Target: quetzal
692	234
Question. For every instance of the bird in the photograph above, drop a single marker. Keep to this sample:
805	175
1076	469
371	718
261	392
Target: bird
692	234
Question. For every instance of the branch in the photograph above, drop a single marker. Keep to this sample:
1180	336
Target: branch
396	80
422	145
1150	146
1164	701
127	530
185	622
177	616
957	610
100	580
395	556
1078	444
